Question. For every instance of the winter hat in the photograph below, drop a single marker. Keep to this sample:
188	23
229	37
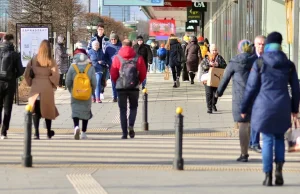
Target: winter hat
274	37
81	45
60	39
186	38
244	46
193	39
200	39
113	35
140	38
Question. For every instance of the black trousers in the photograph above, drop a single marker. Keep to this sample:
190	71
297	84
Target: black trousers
185	73
84	123
176	70
36	117
61	80
210	96
7	92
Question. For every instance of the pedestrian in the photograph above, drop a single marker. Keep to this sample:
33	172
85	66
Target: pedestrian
154	47
193	57
162	55
100	37
42	76
239	69
175	58
185	73
259	44
203	47
143	50
81	109
61	58
97	58
213	60
10	69
133	71
111	50
273	107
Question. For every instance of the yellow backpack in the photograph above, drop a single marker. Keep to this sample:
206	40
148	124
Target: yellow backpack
204	51
82	89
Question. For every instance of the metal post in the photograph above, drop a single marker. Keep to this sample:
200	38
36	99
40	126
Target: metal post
178	162
27	158
296	34
145	110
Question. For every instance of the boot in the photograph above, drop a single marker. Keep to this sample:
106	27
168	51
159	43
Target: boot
50	133
175	85
192	76
36	123
268	179
278	174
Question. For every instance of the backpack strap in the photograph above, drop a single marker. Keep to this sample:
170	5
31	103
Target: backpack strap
87	68
76	68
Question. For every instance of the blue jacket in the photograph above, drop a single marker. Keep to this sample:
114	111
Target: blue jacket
238	69
268	87
110	51
96	56
103	41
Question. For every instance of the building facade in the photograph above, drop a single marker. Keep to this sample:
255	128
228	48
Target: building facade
119	13
3	15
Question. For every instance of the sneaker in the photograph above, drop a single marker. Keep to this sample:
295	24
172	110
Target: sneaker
256	149
93	100
215	108
124	137
131	132
115	100
209	111
76	133
243	158
83	135
101	96
98	101
3	136
177	82
174	86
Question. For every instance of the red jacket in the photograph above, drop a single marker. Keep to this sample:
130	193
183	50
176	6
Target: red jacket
127	53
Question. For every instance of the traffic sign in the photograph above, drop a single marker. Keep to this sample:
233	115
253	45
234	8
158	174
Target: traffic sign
199	6
193	15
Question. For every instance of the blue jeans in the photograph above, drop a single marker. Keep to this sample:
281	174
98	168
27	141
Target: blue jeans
254	138
114	90
98	85
144	83
161	65
154	65
270	141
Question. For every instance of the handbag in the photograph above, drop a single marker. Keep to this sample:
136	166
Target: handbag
167	74
293	137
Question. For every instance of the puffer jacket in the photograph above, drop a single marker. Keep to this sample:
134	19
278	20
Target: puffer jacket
96	56
175	54
267	86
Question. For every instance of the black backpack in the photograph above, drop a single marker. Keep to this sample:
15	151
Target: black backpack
129	75
7	71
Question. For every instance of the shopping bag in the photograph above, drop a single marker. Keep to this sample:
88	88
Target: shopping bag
167	74
293	137
214	76
199	73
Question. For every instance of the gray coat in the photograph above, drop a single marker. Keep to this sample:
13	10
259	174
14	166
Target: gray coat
61	58
81	108
238	69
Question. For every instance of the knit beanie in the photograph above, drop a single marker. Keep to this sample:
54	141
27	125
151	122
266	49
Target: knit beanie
274	37
244	46
113	36
200	39
140	38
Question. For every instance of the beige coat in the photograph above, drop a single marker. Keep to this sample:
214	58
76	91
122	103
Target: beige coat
42	85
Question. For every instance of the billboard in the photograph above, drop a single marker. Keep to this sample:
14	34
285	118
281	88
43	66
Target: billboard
134	2
31	39
162	27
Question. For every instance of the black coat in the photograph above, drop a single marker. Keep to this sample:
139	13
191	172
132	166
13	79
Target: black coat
144	51
238	69
175	47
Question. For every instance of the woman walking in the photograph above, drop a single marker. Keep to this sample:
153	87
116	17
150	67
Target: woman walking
61	58
267	87
42	76
81	109
193	57
239	69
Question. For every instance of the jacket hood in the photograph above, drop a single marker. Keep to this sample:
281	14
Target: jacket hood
276	59
127	52
243	59
7	46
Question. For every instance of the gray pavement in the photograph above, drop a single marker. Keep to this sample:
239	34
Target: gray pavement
106	164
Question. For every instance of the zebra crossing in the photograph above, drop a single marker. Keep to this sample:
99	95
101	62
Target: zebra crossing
107	150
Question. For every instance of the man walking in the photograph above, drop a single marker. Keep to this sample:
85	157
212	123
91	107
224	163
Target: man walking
10	69
100	36
259	44
133	72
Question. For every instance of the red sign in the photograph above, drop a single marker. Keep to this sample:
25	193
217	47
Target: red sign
177	3
162	27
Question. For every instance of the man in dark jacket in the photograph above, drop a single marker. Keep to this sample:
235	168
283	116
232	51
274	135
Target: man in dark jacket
127	53
10	69
144	51
100	36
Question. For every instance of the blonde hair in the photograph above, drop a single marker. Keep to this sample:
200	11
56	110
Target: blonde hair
44	56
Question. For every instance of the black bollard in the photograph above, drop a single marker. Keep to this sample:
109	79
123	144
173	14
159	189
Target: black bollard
27	158
178	162
145	110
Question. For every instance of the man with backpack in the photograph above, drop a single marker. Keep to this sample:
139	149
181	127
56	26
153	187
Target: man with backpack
128	71
162	55
10	69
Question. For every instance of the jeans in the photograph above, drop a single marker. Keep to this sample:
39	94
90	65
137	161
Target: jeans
7	91
98	85
254	138
161	65
133	97
176	70
271	141
144	83
211	100
154	65
114	90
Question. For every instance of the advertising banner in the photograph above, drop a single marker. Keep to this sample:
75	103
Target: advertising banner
31	39
200	6
162	27
289	20
134	2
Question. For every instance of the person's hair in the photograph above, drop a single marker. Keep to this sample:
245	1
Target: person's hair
260	37
127	42
8	37
172	35
44	56
101	24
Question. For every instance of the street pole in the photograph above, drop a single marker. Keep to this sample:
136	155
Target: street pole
178	162
145	111
296	34
27	158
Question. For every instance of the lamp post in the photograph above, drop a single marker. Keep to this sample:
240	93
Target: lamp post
91	28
